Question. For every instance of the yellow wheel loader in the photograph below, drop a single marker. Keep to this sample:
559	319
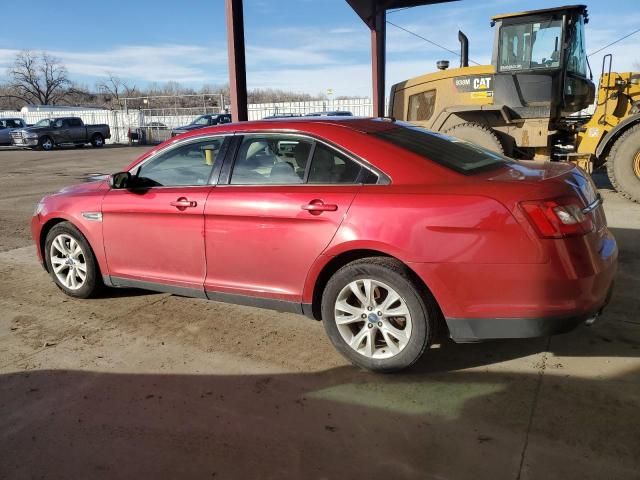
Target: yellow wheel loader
527	104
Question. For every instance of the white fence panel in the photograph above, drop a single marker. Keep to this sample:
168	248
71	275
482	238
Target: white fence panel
120	121
361	107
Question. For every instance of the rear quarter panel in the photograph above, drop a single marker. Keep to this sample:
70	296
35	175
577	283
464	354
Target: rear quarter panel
435	228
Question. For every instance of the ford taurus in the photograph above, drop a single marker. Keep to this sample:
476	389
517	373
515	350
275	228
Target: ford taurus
386	232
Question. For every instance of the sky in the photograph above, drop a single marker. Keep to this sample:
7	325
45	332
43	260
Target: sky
299	45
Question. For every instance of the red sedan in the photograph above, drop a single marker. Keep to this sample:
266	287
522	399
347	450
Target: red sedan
386	232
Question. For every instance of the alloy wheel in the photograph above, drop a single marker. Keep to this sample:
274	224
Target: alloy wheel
373	319
68	261
636	164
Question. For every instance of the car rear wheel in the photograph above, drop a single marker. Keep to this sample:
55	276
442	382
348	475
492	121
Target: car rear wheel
46	143
97	141
71	262
375	316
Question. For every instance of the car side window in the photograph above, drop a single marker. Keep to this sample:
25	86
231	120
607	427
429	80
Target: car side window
331	167
59	123
271	160
75	122
185	165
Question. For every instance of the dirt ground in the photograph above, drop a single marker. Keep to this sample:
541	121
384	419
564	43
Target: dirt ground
143	385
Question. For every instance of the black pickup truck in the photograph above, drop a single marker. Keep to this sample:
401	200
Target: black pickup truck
50	132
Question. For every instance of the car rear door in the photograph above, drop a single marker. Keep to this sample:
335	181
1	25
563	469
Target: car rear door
272	214
153	232
76	131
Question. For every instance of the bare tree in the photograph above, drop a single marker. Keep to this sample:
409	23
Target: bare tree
114	88
37	79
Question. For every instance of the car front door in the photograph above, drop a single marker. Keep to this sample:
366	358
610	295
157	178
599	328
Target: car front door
274	211
60	131
153	231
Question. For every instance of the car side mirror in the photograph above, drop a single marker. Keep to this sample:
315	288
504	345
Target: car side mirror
120	180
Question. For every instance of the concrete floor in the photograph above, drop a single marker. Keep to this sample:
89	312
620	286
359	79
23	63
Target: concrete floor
143	385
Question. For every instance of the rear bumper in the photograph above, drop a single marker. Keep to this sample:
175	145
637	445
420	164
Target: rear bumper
482	302
470	330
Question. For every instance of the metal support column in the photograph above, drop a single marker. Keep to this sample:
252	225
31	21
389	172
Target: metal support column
237	64
378	60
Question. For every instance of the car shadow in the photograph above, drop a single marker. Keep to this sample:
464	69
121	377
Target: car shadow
340	423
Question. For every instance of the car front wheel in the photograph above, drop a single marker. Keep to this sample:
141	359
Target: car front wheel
71	262
375	316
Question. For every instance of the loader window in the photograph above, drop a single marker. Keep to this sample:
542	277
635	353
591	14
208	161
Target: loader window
421	106
577	58
528	46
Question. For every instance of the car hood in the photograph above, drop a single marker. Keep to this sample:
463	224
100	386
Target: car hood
188	128
33	129
96	184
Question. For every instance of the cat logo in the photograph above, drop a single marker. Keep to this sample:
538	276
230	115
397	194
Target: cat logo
482	83
474	83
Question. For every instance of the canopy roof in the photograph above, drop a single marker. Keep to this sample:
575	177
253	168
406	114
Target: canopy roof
366	9
581	8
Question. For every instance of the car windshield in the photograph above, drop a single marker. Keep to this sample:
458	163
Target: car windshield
201	121
450	152
44	123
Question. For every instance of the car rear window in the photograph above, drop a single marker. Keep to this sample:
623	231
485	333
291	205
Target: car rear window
458	155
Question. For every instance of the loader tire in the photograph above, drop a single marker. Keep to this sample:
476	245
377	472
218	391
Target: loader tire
477	134
623	164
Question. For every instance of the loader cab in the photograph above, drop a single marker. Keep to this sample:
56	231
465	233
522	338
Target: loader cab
540	62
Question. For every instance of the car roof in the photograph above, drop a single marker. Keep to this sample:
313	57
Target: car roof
359	124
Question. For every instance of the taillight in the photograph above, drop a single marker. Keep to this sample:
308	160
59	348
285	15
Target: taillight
558	218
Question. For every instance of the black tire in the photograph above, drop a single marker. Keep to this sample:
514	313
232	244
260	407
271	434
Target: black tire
93	281
46	143
97	140
422	310
623	164
477	134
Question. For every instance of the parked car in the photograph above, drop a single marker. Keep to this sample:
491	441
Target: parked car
334	113
384	231
50	132
281	115
7	125
157	125
203	121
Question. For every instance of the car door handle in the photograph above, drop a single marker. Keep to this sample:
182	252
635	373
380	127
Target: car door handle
183	203
316	207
